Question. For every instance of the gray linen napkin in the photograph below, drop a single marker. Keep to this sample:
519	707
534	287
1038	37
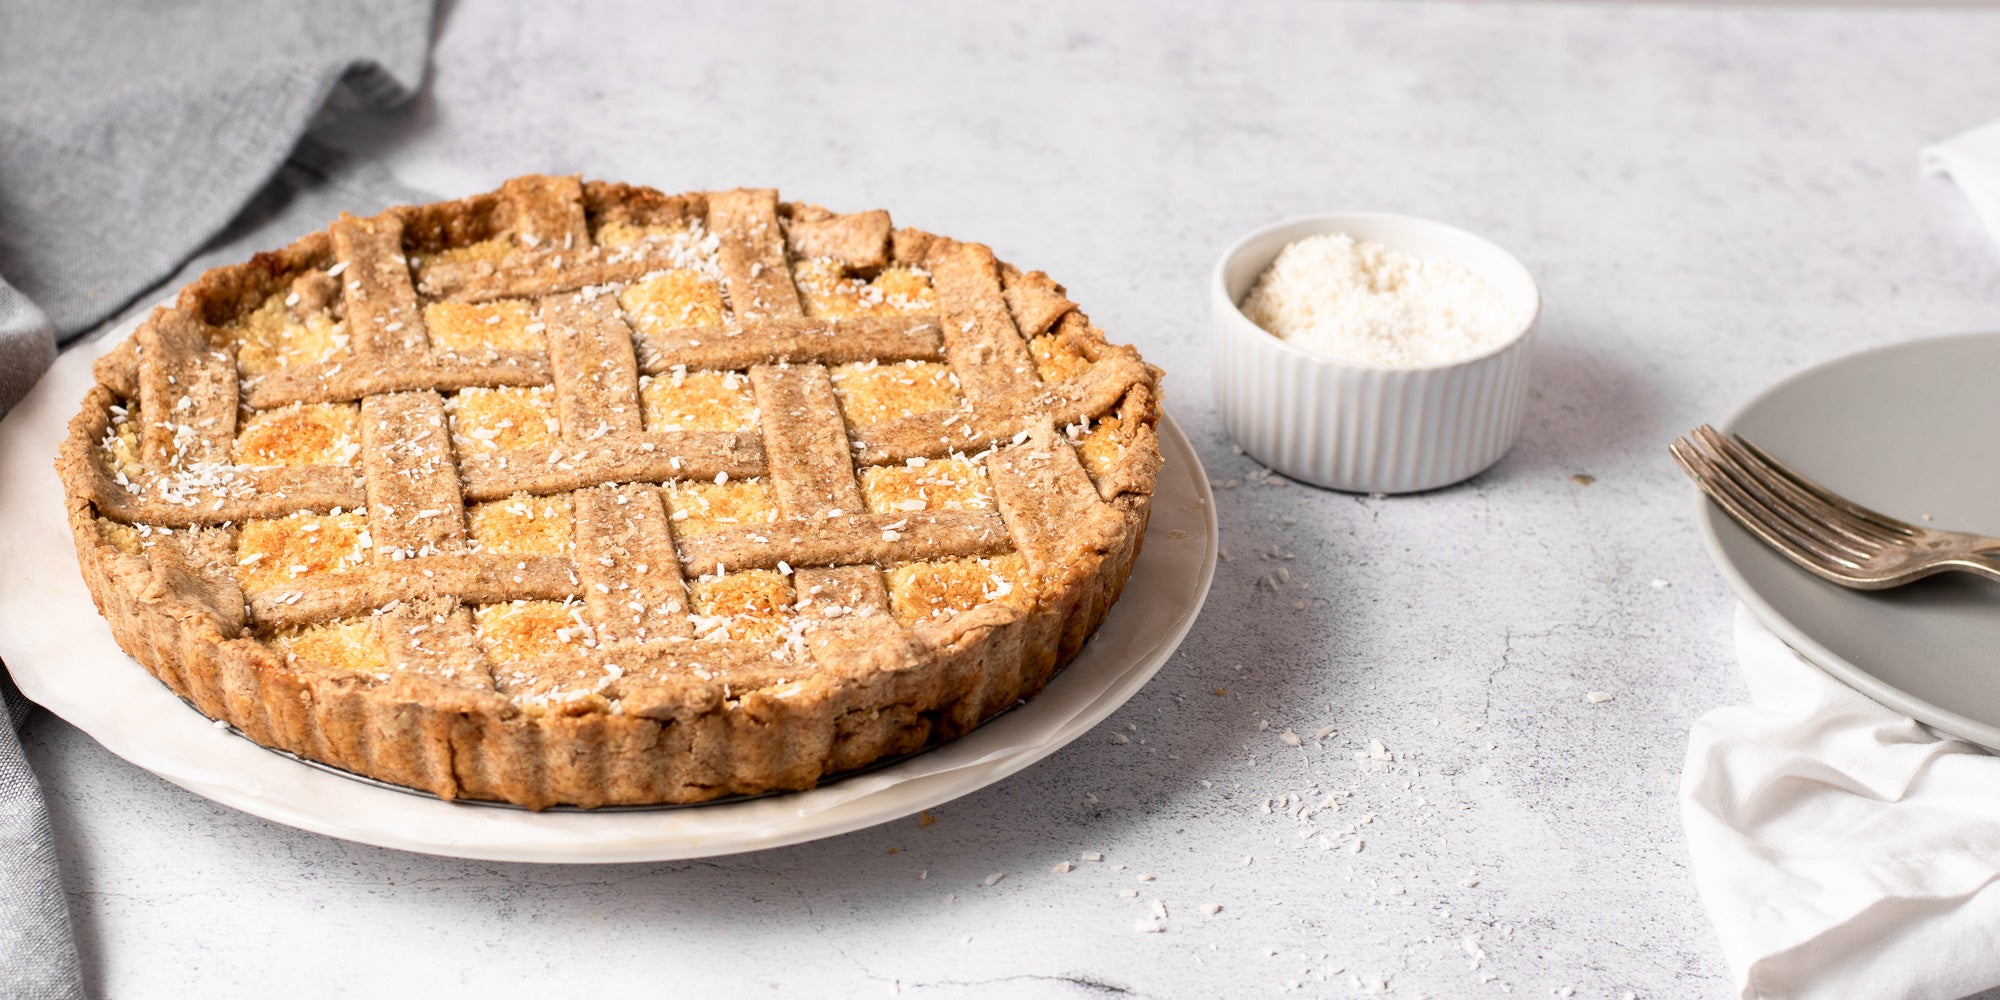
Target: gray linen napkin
130	134
37	954
131	137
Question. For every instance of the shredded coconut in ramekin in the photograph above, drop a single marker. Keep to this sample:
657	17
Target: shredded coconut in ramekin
1352	300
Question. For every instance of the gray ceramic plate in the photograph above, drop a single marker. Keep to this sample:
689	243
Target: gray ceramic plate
1908	430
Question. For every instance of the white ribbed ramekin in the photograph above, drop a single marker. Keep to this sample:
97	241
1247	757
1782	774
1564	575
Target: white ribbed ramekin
1361	427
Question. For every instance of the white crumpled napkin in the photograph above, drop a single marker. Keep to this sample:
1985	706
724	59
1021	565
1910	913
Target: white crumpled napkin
1973	160
1841	849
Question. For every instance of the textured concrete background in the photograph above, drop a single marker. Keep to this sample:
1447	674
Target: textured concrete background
1711	198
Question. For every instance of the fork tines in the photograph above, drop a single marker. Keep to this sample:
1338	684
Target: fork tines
1813	526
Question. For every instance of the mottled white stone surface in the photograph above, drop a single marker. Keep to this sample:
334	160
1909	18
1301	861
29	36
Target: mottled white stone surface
1711	198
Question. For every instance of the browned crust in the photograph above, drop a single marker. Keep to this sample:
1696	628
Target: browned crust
224	292
879	694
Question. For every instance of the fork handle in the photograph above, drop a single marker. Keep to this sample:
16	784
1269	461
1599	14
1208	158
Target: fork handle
1982	558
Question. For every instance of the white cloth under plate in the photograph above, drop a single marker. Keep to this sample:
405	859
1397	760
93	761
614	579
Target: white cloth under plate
1840	848
1973	160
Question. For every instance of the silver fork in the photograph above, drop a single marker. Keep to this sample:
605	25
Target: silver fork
1833	537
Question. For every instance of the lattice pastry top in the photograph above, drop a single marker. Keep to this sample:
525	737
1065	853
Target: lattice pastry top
578	492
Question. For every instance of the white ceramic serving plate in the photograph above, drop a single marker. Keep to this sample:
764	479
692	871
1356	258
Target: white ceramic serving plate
1905	430
62	655
1360	427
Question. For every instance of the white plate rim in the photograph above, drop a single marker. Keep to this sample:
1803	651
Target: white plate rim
1708	516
